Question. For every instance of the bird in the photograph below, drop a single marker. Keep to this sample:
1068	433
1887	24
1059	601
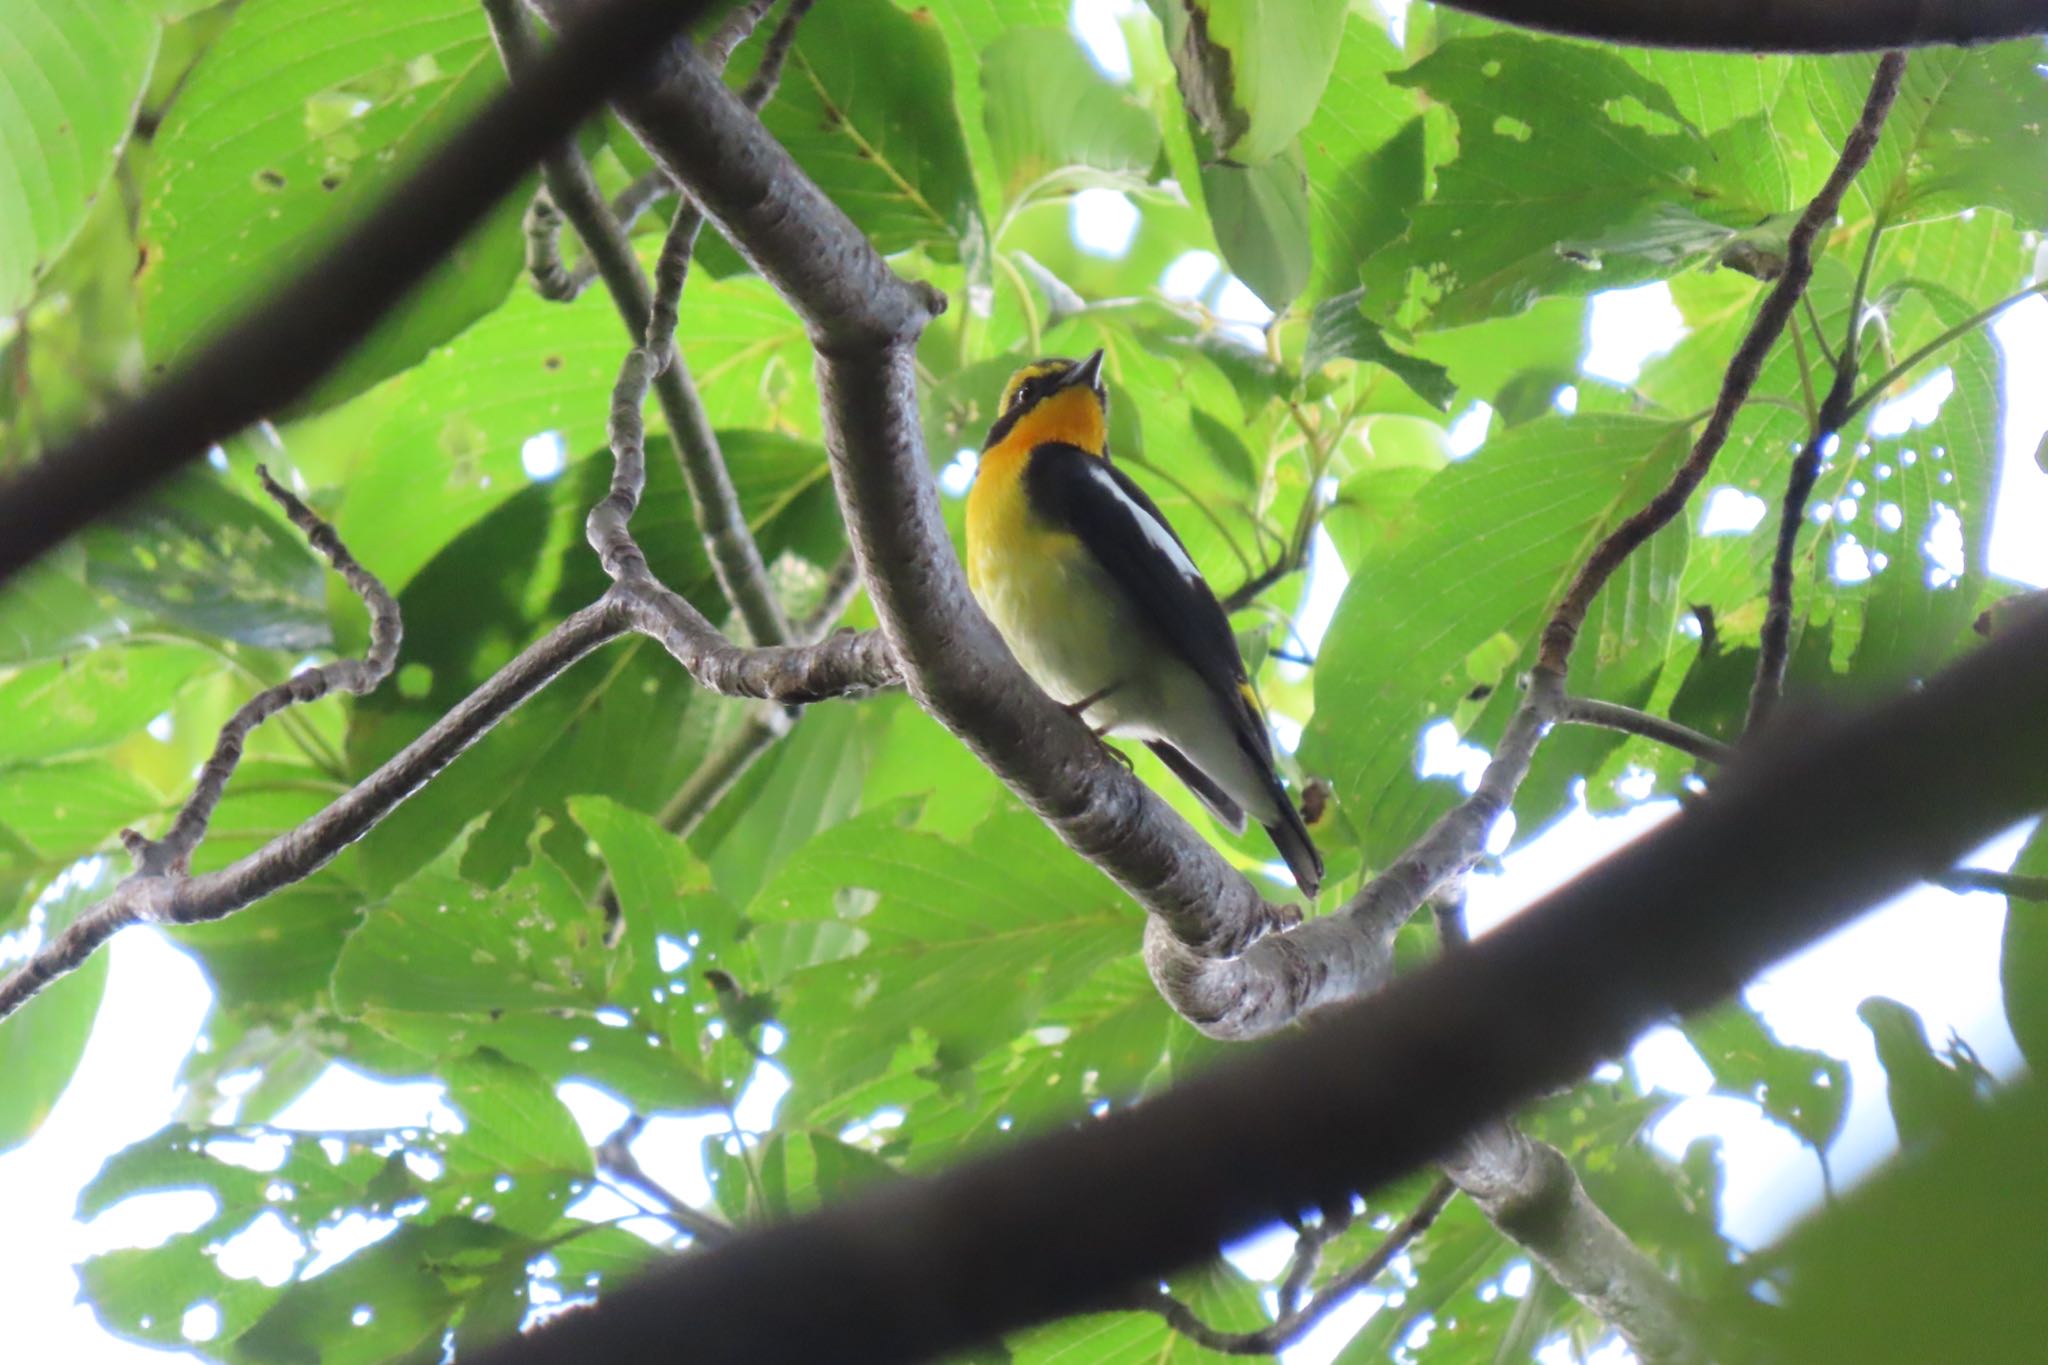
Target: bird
1101	603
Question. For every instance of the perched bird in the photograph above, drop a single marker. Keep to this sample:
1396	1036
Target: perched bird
1101	604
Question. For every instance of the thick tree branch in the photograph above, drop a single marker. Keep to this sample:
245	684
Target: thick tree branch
276	352
1533	1195
1774	25
1608	716
1293	1321
1669	925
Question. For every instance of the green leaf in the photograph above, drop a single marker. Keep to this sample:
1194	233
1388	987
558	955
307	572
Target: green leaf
1860	1285
1928	1096
47	610
68	706
295	121
953	944
1260	214
517	1137
440	944
1574	174
1804	1091
2023	959
1252	72
661	886
64	810
1364	152
1408	640
1340	330
386	1302
201	555
281	949
76	74
446	448
857	109
1055	124
1969	130
41	1043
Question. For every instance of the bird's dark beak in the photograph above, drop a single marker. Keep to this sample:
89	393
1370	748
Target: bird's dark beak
1088	372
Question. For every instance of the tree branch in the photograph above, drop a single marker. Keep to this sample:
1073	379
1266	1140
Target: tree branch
1609	716
360	676
274	353
864	322
649	316
1773	25
1743	369
615	1158
2011	884
1669	925
1284	1330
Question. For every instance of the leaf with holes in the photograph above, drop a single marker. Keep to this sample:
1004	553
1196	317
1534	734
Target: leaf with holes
1485	551
297	120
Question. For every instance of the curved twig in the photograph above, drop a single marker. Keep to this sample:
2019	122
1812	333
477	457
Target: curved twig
1610	716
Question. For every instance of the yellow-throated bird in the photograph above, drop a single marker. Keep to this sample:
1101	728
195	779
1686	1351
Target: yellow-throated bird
1103	607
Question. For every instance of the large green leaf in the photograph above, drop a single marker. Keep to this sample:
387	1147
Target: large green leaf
68	706
63	810
48	610
42	1042
1574	173
1969	130
1448	604
1260	214
1252	72
441	945
297	119
1055	123
1364	150
200	554
1860	1285
75	74
446	446
952	942
859	110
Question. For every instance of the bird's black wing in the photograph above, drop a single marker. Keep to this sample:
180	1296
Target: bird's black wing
1129	536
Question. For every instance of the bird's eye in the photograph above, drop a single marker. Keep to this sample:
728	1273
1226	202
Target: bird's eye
1023	394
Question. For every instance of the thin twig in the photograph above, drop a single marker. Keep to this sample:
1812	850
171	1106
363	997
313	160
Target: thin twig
171	853
1610	716
560	283
2010	884
1291	1324
1741	375
723	767
737	28
615	1158
735	558
760	87
1883	383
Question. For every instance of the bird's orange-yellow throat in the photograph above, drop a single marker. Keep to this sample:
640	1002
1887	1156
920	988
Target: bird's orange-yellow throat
1101	604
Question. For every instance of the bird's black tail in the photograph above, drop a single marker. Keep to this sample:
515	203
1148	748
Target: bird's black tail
1290	836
